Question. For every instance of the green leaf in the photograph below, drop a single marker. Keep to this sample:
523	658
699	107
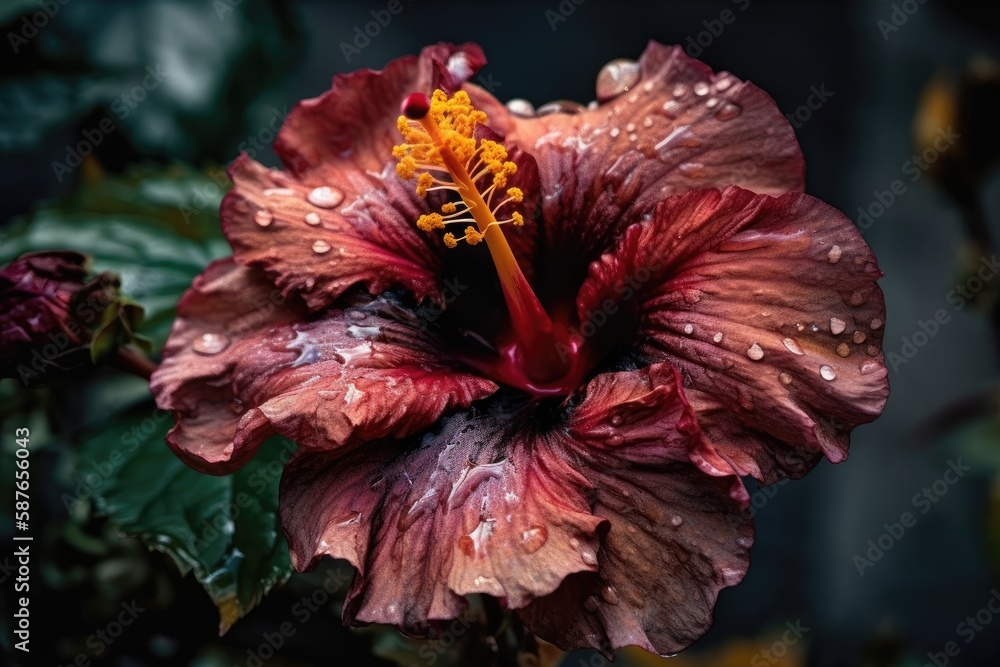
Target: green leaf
155	229
224	530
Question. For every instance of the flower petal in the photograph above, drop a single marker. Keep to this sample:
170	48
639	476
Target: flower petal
340	215
678	127
481	506
676	535
770	309
242	362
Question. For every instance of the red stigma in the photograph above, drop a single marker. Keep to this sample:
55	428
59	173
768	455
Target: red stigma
415	106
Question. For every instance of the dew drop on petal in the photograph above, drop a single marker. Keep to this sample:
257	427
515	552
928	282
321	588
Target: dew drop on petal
610	595
712	102
872	350
325	197
680	90
616	440
521	107
723	83
676	521
834	255
755	352
785	378
614	132
693	169
647	122
792	346
876	323
744	542
534	539
279	192
859	337
717	337
827	373
869	366
630	127
856	298
591	604
800	327
837	325
263	217
320	247
701	88
617	77
844	350
312	218
588	557
728	111
689	329
671	109
210	343
616	420
633	136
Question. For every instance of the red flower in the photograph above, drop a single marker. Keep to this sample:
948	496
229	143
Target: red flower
671	313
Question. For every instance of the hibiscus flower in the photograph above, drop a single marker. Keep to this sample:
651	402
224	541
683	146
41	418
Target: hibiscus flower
529	354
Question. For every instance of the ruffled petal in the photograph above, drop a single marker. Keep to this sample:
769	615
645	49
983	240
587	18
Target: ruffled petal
676	536
340	215
481	506
243	362
676	127
770	309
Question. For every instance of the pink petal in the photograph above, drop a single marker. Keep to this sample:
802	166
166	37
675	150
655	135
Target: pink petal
770	309
242	363
340	215
679	127
676	536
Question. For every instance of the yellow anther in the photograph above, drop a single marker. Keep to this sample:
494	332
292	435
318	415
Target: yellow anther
515	194
449	207
517	219
407	167
430	222
449	240
424	181
472	235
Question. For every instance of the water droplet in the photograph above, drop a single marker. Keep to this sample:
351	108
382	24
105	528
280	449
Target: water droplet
236	405
676	521
856	298
827	373
717	337
574	543
744	542
872	350
588	557
869	366
859	337
313	218
560	106
689	329
263	217
723	82
837	325
800	327
210	343
320	247
610	595
876	324
325	197
616	78
671	109
534	539
785	378
834	255
728	111
633	136
616	440
680	90
693	169
614	132
591	604
647	122
630	127
616	420
521	107
280	192
755	352
844	350
701	88
793	346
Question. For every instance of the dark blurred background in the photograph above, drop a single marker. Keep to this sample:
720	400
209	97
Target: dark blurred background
186	85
